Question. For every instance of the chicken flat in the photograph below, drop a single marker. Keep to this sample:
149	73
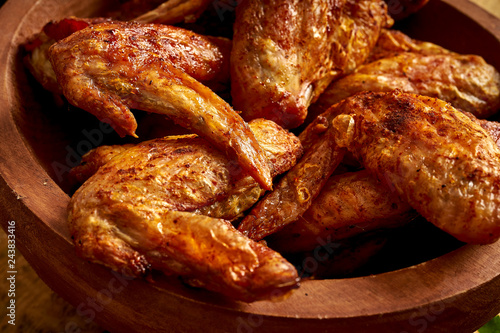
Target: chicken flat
352	203
441	162
285	53
174	11
108	68
140	211
466	81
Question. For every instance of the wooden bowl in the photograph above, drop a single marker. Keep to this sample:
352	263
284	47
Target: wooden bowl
454	292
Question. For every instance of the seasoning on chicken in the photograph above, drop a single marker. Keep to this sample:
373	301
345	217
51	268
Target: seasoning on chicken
108	68
285	53
440	161
349	204
140	210
352	203
295	192
445	165
466	81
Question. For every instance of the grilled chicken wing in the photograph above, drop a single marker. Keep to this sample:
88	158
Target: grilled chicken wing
285	52
111	67
139	210
466	81
349	204
296	191
441	162
281	148
37	48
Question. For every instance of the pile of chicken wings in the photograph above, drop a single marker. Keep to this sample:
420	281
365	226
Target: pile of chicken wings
315	122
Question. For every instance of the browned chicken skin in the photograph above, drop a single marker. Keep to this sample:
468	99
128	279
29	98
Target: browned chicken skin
37	48
108	68
466	81
295	192
285	52
441	162
349	204
140	210
391	42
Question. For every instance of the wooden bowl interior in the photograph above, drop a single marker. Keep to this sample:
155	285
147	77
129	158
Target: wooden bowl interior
59	134
56	135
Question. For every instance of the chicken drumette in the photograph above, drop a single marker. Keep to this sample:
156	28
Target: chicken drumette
108	68
165	204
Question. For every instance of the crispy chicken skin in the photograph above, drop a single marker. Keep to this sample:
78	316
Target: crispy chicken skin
466	81
37	48
285	52
140	211
437	159
295	191
349	204
93	160
282	149
352	203
108	68
445	165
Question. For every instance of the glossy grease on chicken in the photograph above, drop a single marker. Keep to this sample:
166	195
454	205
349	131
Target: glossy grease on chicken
142	207
108	68
349	204
445	165
466	81
286	52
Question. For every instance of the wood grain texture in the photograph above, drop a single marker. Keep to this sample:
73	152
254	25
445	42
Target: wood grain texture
457	292
491	6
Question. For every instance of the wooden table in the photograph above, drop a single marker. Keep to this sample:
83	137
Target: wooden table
40	310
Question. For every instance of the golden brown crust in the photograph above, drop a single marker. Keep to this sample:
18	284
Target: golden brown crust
37	48
349	204
286	52
111	67
466	81
142	208
442	163
391	42
296	191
